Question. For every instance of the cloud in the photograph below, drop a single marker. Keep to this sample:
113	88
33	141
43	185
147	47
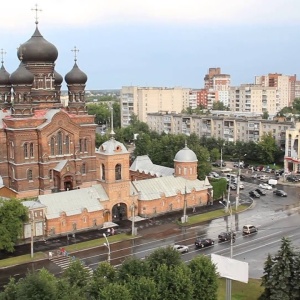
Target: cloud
17	14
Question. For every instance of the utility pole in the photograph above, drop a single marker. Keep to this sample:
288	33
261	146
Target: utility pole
237	200
184	218
133	219
31	239
108	247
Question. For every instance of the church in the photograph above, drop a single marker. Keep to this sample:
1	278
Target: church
48	153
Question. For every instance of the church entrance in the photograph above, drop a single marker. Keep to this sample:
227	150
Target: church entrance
68	183
119	212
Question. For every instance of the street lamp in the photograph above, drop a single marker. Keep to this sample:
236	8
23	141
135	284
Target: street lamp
238	185
108	247
228	281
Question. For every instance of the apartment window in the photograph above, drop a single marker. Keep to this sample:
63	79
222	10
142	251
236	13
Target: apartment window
50	174
85	145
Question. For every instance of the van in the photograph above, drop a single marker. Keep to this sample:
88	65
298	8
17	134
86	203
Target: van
272	182
233	177
248	229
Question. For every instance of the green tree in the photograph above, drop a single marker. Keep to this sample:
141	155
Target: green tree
173	283
101	112
296	105
266	278
114	291
142	288
267	147
280	273
204	278
219	106
265	115
163	256
133	267
65	291
76	274
37	285
10	290
219	187
13	214
214	154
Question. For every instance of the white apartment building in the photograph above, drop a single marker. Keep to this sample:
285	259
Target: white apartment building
254	98
143	100
230	128
292	150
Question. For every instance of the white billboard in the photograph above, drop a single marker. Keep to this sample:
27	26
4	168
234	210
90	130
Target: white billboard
231	268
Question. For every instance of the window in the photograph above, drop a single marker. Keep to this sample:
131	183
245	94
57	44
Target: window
31	150
118	169
85	145
25	148
52	145
103	172
67	144
83	168
50	174
59	143
29	175
80	145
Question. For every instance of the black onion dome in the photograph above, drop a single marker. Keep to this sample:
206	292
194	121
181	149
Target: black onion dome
37	49
76	76
21	76
4	76
58	79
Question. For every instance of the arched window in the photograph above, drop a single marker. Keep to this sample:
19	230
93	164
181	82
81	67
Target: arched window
103	172
25	148
67	144
118	170
51	174
31	150
29	175
80	145
52	146
83	168
85	145
59	143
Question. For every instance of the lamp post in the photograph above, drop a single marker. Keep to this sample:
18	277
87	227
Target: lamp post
184	219
228	281
238	185
108	247
133	219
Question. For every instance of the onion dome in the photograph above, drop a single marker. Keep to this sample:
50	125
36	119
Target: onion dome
21	76
58	79
4	76
37	49
185	155
76	76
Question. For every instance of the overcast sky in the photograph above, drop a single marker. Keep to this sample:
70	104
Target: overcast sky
159	42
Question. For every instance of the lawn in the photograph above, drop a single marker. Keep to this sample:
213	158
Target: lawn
210	216
241	291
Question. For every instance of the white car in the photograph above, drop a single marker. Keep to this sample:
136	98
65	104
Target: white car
265	186
215	174
181	248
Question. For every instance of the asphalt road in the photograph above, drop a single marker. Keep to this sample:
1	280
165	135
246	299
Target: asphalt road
274	216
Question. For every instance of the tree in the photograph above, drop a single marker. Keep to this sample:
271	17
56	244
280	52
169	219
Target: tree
142	288
265	115
214	154
13	214
115	291
131	268
219	187
296	105
76	274
281	274
163	256
37	285
173	283
219	106
10	290
267	147
204	278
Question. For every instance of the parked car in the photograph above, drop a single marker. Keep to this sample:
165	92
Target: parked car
232	186
292	179
215	174
254	194
261	192
201	243
242	177
218	164
226	236
241	186
249	229
280	193
264	177
181	248
265	186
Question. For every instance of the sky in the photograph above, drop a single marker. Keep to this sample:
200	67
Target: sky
161	43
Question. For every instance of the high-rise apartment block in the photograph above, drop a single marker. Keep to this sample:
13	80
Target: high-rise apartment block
143	100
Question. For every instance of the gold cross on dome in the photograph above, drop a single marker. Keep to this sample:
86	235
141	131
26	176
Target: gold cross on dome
75	50
36	13
2	52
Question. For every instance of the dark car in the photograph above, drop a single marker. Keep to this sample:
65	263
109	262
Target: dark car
201	243
261	192
254	194
218	164
280	193
292	179
226	236
242	177
232	186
